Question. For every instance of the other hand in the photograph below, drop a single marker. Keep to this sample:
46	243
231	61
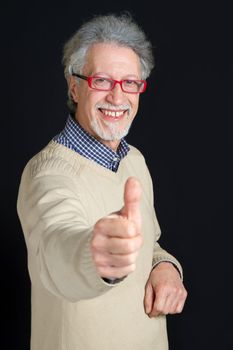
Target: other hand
164	292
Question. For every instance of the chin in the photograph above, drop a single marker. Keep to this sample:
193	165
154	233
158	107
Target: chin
110	132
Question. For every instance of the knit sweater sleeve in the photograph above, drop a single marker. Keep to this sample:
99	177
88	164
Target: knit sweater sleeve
57	235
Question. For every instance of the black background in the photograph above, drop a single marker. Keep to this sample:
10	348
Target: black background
183	127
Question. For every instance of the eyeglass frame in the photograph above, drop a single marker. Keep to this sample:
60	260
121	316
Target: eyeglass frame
89	80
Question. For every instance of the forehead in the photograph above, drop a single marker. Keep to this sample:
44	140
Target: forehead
110	58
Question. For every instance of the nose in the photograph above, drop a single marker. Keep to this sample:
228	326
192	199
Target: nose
116	95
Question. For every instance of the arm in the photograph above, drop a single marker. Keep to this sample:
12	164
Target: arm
71	257
164	291
58	234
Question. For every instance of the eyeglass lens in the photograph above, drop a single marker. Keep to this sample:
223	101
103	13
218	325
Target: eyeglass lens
107	84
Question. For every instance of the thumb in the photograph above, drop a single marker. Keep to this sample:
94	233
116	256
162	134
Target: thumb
132	197
149	298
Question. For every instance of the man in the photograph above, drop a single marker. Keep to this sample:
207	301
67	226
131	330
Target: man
99	278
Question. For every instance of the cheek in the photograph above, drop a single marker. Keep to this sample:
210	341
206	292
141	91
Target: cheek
87	104
92	98
134	105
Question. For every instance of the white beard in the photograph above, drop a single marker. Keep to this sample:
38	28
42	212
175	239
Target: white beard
110	131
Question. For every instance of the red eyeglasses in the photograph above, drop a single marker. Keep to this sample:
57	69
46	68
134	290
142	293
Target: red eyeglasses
106	84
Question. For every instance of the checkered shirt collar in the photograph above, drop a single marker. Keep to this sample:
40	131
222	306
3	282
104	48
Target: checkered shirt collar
75	137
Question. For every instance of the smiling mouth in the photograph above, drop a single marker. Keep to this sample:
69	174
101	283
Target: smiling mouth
112	114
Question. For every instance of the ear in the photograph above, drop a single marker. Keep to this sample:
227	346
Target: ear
73	88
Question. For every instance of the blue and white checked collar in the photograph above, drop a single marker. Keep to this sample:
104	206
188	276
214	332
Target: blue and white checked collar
76	138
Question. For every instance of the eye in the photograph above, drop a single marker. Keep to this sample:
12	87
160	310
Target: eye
131	85
130	82
101	81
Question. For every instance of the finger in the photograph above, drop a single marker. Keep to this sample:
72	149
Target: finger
115	226
174	309
132	196
115	245
159	304
169	302
115	260
149	298
124	245
169	306
178	306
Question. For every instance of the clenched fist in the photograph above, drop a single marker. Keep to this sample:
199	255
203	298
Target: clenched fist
117	238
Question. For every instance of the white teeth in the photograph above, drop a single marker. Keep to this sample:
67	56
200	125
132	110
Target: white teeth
112	113
119	113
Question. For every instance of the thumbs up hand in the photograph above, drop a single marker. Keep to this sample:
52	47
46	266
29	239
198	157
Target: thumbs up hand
117	238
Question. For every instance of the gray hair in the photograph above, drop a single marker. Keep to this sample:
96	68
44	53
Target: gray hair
120	30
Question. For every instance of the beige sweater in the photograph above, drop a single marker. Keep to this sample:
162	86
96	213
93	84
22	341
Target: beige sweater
61	196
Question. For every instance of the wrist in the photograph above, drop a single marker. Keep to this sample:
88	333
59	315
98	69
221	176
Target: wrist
164	265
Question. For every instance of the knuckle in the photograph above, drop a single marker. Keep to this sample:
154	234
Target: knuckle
182	293
176	291
98	226
94	244
179	309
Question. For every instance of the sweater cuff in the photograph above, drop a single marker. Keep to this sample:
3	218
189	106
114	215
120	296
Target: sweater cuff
158	259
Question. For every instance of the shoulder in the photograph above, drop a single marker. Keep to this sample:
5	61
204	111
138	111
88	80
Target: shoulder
53	158
135	153
136	158
136	161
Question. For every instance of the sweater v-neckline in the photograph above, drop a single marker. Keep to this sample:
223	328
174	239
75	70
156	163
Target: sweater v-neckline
76	160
